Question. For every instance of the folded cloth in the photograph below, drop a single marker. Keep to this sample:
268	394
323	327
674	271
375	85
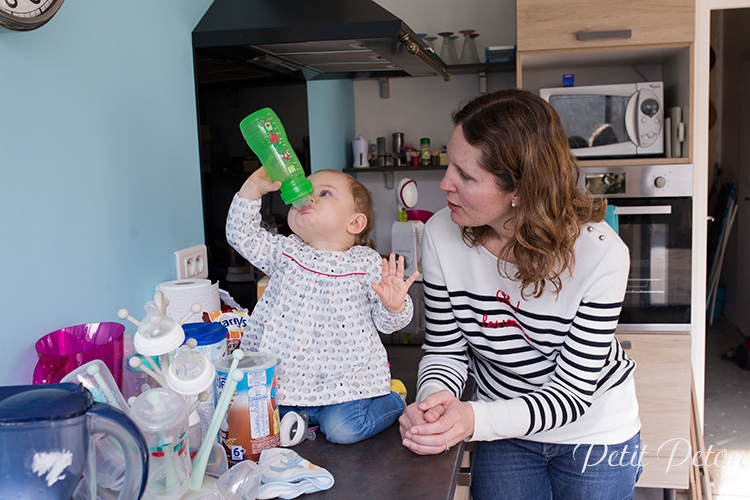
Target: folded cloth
284	474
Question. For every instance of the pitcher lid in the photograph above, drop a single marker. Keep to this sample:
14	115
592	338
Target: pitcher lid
37	403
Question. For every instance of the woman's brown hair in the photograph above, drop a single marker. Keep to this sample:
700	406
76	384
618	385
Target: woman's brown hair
523	144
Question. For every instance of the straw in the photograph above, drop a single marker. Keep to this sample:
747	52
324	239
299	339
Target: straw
201	458
93	370
137	362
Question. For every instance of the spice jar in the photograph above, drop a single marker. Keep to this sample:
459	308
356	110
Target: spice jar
424	157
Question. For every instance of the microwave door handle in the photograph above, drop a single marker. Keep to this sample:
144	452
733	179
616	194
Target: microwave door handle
644	210
631	119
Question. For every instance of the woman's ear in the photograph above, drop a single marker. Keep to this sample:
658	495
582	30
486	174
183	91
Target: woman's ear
358	224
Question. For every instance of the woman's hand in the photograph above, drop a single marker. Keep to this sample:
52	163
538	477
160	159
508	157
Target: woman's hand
392	288
258	184
435	424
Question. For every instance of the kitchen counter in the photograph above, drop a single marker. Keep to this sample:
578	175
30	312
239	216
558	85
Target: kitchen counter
381	467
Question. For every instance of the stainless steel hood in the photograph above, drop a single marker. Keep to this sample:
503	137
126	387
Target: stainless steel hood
291	40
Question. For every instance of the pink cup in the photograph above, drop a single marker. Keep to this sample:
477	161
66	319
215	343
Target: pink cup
64	350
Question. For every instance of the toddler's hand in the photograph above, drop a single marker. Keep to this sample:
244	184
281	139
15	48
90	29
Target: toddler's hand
392	287
258	184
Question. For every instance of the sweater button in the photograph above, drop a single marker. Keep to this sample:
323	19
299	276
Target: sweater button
601	237
590	228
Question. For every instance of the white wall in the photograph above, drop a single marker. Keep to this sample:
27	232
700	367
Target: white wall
421	107
99	172
418	107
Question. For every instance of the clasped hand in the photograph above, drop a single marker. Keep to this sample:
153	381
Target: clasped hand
392	288
432	426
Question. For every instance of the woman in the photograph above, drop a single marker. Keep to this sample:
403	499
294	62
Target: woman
523	288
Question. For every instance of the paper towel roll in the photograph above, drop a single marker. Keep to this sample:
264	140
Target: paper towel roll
182	294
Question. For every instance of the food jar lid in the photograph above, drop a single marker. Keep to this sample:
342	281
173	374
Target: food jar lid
205	333
424	140
37	403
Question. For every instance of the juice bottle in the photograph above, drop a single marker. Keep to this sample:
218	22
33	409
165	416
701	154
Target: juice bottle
266	136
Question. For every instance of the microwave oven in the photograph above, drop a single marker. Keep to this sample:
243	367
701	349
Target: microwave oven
622	120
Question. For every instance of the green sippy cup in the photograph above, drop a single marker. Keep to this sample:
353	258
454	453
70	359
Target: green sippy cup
266	136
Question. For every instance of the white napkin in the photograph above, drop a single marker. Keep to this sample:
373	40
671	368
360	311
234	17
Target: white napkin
284	474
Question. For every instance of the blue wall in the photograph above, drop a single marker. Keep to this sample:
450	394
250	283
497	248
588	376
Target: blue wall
330	105
99	166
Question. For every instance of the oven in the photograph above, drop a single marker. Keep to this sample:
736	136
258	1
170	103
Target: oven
650	207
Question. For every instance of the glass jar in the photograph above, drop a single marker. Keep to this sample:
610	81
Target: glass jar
424	156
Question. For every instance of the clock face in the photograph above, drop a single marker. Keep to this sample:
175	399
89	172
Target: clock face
24	15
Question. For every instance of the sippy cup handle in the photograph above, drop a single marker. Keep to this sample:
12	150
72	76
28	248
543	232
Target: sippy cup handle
109	420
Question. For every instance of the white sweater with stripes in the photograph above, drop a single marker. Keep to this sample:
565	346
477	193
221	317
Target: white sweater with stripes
547	369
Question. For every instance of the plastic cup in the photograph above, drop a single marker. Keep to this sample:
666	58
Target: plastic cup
62	351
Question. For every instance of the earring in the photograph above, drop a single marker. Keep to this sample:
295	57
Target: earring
513	204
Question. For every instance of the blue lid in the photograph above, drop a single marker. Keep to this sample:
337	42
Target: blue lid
205	333
37	403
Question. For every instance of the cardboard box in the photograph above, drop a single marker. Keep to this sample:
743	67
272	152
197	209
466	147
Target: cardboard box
505	53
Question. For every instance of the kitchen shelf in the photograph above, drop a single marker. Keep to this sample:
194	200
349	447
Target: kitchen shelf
352	170
497	67
388	171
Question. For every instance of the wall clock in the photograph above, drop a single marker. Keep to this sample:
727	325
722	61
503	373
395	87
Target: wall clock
25	15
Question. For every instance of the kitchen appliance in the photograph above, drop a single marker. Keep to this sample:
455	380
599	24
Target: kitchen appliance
406	242
620	120
653	207
303	40
360	150
45	432
398	145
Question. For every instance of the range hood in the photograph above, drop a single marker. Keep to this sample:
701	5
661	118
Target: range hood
307	40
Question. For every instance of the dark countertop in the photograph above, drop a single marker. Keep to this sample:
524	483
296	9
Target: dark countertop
381	467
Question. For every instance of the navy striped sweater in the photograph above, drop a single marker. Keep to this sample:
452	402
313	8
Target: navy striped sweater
546	369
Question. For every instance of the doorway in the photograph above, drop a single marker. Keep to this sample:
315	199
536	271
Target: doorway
727	386
223	100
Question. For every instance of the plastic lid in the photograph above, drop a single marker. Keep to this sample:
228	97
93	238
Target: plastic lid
190	372
205	333
424	140
37	403
296	191
159	341
251	361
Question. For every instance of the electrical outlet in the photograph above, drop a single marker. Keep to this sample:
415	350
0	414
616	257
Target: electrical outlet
192	262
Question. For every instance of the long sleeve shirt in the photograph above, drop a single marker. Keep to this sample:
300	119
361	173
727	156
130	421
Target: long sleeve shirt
319	315
547	369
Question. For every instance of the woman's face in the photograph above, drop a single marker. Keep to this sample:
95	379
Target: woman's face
471	192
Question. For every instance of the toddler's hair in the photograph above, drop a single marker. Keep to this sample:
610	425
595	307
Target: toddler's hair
363	204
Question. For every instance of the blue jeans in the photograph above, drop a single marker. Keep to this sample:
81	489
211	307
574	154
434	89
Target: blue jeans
353	421
518	469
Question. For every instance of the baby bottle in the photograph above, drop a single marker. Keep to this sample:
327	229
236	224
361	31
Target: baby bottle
266	136
161	415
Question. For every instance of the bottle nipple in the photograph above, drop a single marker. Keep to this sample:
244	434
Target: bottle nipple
302	202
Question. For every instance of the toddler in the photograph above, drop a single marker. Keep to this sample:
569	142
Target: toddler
327	298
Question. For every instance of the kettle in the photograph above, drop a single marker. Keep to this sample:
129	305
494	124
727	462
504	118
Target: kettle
44	441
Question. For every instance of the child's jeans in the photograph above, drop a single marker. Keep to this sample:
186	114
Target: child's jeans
353	421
